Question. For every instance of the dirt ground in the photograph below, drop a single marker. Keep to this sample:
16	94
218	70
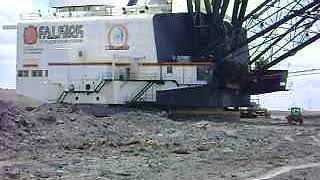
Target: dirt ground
62	142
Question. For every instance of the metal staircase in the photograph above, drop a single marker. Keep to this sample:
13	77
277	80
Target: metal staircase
140	93
150	79
62	96
100	85
97	89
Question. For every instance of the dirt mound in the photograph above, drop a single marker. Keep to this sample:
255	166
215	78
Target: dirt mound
67	127
57	127
54	129
55	141
7	117
13	126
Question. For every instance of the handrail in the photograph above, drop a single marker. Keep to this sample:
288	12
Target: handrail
114	11
142	91
105	77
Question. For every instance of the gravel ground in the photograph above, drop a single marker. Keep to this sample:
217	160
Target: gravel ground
62	142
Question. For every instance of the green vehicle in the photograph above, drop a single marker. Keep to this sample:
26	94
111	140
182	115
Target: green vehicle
295	116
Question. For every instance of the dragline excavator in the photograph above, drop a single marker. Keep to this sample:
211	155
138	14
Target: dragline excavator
243	48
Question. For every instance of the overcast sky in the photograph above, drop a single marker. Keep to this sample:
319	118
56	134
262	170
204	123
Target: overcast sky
305	89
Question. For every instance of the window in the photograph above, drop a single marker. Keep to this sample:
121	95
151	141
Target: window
169	70
46	73
19	73
203	73
36	73
80	54
23	73
79	8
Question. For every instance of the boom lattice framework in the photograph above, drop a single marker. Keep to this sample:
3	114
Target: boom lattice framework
278	29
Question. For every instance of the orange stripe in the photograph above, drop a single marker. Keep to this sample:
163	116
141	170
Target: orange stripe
128	64
87	64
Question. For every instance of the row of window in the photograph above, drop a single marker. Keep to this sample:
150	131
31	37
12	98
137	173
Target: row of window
202	73
44	73
82	8
33	73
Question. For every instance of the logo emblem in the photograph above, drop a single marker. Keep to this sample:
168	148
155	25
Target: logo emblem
118	38
30	35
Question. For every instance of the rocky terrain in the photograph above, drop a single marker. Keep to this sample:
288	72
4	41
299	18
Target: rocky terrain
63	142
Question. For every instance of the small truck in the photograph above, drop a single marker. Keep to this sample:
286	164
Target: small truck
295	117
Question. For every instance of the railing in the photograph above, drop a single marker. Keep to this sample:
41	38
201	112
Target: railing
138	96
80	87
122	76
96	83
149	9
114	11
71	14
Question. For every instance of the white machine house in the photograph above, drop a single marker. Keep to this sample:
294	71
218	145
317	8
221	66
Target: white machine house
180	54
99	52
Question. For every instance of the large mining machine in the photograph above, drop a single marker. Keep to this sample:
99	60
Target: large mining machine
243	48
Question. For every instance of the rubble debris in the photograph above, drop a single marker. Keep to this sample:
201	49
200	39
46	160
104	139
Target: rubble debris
55	141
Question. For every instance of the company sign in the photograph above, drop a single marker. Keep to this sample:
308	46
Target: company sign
53	34
117	38
30	35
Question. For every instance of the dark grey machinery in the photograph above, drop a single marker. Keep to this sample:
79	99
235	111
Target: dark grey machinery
242	48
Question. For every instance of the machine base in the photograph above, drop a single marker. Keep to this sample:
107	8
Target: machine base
203	96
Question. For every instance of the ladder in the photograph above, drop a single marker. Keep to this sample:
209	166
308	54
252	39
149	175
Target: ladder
97	89
145	88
